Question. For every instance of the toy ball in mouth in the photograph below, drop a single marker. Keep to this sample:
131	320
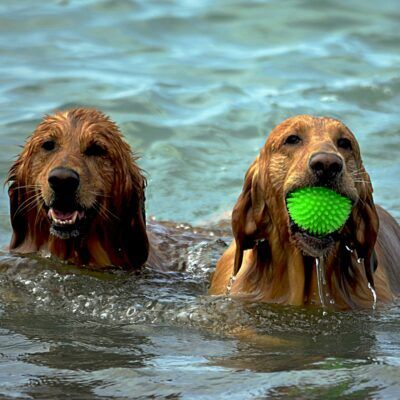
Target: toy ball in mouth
318	210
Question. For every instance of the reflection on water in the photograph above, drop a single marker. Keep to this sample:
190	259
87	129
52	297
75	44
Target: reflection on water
195	86
108	334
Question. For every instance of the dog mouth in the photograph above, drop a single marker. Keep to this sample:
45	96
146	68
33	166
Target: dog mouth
68	218
66	224
310	244
308	241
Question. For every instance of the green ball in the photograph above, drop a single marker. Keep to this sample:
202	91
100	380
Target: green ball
318	210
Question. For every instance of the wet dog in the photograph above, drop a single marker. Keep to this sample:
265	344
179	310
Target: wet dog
275	260
77	193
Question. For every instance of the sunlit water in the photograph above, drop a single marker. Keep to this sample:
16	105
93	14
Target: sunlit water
195	86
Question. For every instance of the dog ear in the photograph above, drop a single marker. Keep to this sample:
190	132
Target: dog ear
367	225
250	215
130	234
361	231
17	197
134	228
18	221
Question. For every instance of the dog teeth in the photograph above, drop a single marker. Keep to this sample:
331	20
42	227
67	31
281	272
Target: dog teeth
70	221
66	222
63	222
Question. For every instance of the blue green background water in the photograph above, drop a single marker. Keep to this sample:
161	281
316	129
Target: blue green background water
195	85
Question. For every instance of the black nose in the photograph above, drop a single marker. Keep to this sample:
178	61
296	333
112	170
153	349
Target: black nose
326	166
63	180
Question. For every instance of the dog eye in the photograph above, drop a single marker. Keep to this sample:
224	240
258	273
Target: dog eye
293	139
95	150
49	145
344	143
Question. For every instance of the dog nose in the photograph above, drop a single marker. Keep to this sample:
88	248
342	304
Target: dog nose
64	180
326	166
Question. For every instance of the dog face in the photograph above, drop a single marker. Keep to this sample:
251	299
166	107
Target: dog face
76	177
73	165
303	151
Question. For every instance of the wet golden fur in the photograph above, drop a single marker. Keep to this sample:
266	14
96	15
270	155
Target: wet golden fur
277	265
111	186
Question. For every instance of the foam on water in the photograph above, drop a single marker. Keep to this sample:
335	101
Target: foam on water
161	320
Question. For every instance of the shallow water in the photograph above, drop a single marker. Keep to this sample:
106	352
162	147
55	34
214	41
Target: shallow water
195	86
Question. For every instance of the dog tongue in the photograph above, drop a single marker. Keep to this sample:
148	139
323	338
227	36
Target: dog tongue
63	215
60	215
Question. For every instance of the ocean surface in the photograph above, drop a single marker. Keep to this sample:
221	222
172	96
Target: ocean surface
195	86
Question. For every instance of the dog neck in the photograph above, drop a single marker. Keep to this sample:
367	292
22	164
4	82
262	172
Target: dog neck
89	250
280	273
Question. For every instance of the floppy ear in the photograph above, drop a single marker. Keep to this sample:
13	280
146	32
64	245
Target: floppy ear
362	228
130	235
367	229
18	197
250	215
134	228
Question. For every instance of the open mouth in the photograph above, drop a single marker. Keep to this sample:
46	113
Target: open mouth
312	245
66	224
316	215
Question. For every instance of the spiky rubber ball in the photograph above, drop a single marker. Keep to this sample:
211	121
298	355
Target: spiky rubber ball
318	210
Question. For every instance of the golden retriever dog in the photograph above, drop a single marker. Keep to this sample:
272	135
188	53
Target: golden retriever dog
276	261
77	193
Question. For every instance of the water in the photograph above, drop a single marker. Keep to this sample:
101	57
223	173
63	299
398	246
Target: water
321	281
194	86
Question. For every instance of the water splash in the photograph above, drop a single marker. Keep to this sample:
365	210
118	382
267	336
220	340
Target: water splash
360	260
373	295
321	281
230	284
349	249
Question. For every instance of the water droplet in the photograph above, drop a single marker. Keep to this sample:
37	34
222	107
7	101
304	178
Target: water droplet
349	249
230	284
131	311
373	295
320	280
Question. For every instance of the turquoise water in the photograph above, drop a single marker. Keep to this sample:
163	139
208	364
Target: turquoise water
195	86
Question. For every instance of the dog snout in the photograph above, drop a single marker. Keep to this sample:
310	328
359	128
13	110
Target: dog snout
63	180
326	166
